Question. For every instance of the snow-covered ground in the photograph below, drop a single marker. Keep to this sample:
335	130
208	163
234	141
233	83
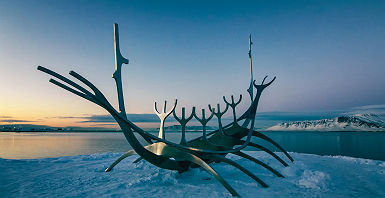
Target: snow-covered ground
84	176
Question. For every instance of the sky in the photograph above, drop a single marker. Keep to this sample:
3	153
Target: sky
326	55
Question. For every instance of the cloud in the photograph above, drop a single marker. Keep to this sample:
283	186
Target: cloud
68	117
5	117
97	118
131	117
14	120
10	119
27	126
369	109
295	116
104	124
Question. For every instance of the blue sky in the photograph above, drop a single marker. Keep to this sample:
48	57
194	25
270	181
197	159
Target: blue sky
327	55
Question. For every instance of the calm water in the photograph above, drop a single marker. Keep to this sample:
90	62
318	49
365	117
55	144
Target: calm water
369	145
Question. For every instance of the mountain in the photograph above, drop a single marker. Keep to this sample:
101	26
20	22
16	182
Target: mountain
45	128
188	128
355	122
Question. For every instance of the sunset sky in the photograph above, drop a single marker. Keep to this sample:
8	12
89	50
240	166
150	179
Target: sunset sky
327	55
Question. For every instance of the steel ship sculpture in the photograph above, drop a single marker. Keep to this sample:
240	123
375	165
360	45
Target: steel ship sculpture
211	147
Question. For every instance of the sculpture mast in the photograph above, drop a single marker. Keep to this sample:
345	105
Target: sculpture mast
119	60
251	88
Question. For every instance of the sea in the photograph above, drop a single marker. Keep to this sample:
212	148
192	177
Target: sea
30	145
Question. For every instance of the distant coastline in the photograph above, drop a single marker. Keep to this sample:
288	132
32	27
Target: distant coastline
37	128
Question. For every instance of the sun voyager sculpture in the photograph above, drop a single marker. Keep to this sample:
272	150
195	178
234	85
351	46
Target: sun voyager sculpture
211	147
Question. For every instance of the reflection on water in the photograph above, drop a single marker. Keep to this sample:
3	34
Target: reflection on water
370	145
36	145
29	145
41	145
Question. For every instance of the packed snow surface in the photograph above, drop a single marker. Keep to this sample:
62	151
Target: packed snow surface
355	122
84	176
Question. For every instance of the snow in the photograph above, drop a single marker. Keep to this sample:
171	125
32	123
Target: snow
84	176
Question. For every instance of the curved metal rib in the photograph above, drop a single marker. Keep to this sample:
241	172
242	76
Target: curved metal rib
137	160
262	136
236	165
260	147
244	155
127	154
198	161
236	141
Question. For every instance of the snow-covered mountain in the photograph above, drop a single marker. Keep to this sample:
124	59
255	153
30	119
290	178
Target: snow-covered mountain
347	122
